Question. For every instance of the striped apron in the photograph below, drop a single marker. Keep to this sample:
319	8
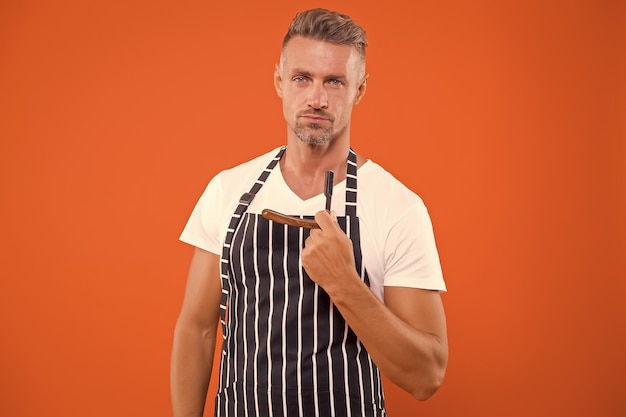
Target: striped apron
287	351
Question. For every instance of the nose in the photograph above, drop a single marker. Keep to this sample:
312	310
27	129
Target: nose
318	97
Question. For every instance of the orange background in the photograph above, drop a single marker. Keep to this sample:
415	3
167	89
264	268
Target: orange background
507	117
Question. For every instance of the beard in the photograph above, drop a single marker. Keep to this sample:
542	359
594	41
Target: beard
314	133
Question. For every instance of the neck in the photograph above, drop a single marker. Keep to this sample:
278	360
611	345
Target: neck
304	166
311	160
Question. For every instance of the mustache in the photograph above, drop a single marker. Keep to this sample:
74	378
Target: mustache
315	113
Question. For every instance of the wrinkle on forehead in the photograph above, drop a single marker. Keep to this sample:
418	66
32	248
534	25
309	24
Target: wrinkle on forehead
315	56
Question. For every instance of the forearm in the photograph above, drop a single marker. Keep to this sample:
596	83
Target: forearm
191	365
410	357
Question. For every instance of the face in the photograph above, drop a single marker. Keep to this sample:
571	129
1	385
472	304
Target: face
319	83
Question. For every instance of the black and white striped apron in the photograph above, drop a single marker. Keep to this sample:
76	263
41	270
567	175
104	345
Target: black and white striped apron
287	350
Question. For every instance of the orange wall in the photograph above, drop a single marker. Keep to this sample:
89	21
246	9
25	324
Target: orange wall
508	118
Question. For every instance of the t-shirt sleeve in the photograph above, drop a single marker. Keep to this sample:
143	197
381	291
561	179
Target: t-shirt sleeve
411	257
202	228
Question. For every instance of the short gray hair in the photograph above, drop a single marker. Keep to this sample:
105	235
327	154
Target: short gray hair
328	26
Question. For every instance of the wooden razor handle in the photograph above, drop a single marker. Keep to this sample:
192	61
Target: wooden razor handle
289	220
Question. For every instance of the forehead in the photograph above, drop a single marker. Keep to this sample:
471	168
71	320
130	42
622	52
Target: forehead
320	57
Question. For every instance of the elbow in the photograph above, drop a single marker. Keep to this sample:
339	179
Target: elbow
431	379
428	386
191	327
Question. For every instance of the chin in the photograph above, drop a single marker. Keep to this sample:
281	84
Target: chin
314	141
314	138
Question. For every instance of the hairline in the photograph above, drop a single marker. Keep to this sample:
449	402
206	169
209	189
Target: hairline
361	56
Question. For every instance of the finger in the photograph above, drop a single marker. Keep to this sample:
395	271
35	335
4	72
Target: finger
314	234
325	219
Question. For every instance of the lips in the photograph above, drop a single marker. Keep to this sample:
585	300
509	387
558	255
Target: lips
315	117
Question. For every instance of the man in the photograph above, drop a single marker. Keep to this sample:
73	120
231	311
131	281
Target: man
310	317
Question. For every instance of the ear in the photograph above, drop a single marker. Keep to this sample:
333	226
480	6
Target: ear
278	81
360	92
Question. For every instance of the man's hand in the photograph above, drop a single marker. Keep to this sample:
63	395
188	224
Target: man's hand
409	342
328	255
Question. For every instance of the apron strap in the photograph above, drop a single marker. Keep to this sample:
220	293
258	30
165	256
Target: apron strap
244	202
351	185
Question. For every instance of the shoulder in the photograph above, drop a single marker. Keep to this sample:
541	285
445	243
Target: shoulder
399	246
227	186
244	174
385	203
376	183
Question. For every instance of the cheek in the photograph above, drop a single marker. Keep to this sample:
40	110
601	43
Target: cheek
290	109
341	103
342	111
291	101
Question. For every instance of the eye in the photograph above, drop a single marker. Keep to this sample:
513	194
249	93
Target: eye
335	83
299	79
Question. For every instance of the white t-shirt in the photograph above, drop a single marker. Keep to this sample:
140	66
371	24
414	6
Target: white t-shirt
397	240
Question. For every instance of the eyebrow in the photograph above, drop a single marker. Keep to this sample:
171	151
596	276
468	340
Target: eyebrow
309	74
301	72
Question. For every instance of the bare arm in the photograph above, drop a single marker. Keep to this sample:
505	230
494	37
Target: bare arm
194	336
406	335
